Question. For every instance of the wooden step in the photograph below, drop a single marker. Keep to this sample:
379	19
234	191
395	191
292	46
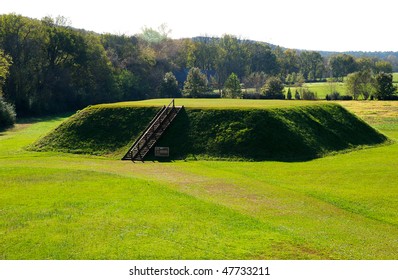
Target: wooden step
152	133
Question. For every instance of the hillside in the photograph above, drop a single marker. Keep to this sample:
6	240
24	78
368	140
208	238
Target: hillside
284	131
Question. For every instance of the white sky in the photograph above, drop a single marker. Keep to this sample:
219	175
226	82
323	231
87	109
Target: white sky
336	25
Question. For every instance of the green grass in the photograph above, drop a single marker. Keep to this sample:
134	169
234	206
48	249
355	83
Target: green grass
76	214
98	130
395	77
265	132
321	89
64	206
215	103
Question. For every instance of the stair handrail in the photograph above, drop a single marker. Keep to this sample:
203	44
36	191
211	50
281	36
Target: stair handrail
161	120
164	111
145	130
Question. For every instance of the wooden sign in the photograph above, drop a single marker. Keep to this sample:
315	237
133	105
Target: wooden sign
161	151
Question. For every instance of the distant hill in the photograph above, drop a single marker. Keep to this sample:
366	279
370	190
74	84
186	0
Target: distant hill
378	54
387	55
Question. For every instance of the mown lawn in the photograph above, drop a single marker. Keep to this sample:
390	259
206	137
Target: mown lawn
395	77
63	206
215	103
321	89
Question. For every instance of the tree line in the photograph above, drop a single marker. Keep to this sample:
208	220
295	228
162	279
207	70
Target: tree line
47	66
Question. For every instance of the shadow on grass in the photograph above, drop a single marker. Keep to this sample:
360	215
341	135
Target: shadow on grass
26	121
50	118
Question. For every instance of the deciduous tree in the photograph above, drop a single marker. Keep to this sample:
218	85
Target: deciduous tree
232	88
360	84
384	86
169	86
341	65
273	88
196	83
5	62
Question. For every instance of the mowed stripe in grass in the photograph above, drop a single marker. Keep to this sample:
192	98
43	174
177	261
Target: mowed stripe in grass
61	206
51	213
337	202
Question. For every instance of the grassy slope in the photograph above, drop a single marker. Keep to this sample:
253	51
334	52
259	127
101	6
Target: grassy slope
98	130
287	134
63	206
261	130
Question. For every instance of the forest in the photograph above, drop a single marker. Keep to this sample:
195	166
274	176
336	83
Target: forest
47	66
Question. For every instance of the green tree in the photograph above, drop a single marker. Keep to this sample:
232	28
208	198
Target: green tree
383	66
23	40
255	80
153	36
169	86
288	61
7	114
384	86
232	88
299	80
307	94
196	83
126	85
5	62
289	94
205	53
273	88
311	65
297	95
360	84
262	59
341	65
232	57
365	63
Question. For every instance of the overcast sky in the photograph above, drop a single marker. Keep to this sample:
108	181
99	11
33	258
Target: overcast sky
337	25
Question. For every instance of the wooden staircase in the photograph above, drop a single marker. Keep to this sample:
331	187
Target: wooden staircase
153	132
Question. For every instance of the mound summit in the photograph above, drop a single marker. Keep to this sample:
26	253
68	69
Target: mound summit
237	130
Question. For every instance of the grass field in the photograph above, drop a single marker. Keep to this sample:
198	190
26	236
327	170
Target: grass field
64	206
395	77
217	103
321	89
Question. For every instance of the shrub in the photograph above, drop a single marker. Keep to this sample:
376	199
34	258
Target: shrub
206	95
7	114
333	96
346	97
337	96
391	97
273	89
169	86
247	95
232	87
195	84
289	94
297	95
307	94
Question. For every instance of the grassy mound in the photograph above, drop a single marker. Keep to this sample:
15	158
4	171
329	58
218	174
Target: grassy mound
97	130
287	133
